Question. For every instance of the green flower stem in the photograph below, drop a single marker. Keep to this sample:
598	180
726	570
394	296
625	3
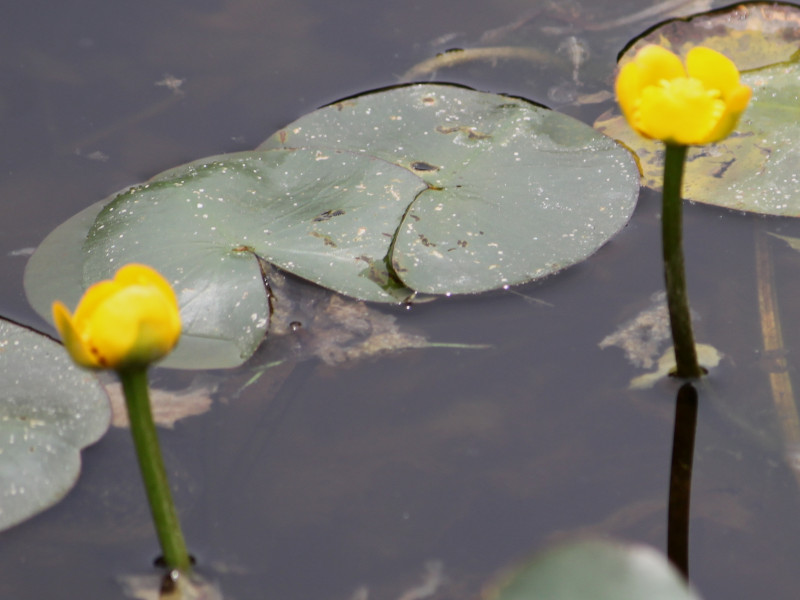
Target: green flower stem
145	440
674	274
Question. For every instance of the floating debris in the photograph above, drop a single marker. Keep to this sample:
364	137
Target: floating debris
171	83
707	356
432	580
168	406
643	337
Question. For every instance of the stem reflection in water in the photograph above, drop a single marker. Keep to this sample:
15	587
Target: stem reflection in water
680	483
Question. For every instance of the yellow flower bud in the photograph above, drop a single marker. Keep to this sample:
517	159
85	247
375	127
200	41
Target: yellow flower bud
692	105
130	321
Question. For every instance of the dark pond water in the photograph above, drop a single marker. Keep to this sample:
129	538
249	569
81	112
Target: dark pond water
351	480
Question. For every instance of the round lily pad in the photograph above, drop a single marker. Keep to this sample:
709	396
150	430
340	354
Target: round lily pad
514	191
49	411
600	570
755	168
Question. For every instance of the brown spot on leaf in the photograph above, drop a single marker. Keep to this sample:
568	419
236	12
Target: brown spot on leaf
328	214
426	242
326	239
420	165
470	132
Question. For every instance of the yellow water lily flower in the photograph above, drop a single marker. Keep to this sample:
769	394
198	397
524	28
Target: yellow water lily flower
130	321
692	105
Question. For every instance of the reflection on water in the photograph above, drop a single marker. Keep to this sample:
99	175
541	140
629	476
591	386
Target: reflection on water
351	480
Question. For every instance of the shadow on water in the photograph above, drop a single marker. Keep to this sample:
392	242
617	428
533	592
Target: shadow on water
360	479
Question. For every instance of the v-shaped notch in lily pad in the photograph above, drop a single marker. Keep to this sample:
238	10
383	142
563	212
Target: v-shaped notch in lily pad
421	188
327	216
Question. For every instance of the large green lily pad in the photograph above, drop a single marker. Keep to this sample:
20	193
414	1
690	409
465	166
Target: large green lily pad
515	191
596	570
421	188
49	411
755	168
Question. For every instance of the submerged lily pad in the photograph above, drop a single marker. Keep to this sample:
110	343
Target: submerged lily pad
421	188
49	411
599	570
755	168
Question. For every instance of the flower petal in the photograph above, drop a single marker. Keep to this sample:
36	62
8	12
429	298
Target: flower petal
92	298
112	331
679	112
136	326
730	118
697	105
651	65
629	89
72	339
657	64
136	274
737	100
715	70
129	321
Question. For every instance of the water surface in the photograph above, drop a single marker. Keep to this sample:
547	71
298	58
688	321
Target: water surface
318	480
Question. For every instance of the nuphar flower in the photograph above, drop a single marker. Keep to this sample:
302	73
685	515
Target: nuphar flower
129	321
692	105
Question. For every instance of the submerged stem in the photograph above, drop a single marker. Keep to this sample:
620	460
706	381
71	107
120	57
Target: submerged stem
148	452
674	272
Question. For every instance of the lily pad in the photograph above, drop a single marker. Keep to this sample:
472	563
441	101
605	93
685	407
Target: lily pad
421	188
514	191
751	34
754	169
599	570
49	411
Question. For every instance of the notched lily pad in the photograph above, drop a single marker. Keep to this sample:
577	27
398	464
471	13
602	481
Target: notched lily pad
753	169
49	411
514	191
